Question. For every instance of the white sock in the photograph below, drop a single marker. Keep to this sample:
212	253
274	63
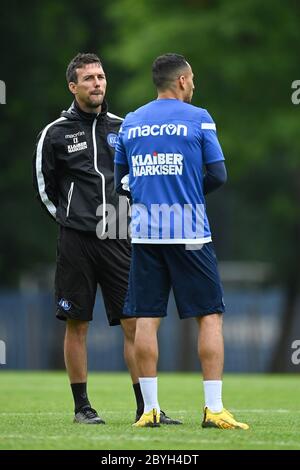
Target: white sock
213	395
149	392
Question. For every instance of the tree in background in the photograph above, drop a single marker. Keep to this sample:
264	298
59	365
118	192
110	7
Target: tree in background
39	39
244	56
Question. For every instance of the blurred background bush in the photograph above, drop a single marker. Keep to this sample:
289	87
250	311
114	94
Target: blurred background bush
245	56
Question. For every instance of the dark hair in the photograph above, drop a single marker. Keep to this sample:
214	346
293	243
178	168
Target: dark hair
166	68
79	61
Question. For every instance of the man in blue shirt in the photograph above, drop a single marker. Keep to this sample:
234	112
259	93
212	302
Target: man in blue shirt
162	149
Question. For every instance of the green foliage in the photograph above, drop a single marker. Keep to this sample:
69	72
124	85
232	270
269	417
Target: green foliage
244	56
41	39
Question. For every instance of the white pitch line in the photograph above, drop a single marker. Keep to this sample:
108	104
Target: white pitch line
245	410
37	413
133	438
253	410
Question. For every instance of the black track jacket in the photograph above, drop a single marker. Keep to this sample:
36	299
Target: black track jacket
74	167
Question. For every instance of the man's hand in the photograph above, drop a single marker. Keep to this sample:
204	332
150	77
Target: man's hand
125	182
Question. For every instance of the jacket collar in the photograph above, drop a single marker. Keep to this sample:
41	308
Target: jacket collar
75	112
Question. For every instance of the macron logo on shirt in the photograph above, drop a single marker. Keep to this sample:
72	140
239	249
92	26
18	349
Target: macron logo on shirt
155	130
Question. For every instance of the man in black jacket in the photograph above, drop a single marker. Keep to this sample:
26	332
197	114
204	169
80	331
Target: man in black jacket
74	179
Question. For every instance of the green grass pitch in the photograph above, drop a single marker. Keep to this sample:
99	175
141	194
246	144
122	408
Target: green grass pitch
36	412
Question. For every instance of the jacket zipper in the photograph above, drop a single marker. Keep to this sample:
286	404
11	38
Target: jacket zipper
101	174
70	193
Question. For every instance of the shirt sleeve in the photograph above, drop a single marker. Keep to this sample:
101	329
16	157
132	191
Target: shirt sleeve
44	173
120	172
211	148
215	176
120	154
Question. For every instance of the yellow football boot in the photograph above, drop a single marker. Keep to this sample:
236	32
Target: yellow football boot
222	420
148	420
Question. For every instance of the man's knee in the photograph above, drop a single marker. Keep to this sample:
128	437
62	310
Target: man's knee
214	320
129	327
77	328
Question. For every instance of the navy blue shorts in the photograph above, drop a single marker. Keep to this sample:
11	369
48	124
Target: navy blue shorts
193	275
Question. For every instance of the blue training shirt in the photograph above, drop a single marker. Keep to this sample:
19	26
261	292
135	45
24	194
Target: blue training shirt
165	145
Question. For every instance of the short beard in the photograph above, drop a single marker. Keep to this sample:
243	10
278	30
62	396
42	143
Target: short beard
92	104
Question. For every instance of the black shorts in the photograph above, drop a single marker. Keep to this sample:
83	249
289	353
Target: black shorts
83	262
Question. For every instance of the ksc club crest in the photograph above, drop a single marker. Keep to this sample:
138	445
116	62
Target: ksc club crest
112	139
65	304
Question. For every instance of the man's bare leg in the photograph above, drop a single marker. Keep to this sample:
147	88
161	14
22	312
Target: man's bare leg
146	355
75	350
76	365
211	346
146	346
129	326
211	355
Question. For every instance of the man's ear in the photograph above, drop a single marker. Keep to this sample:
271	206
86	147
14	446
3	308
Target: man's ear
182	82
72	87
